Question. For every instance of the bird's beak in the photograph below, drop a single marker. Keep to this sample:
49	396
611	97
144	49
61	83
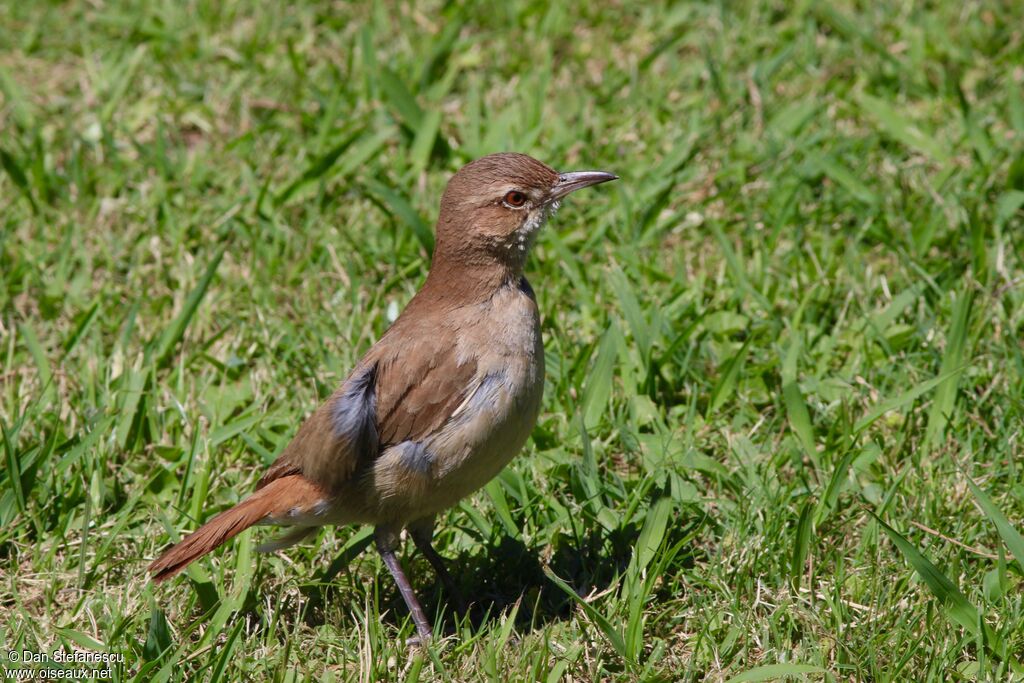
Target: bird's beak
577	180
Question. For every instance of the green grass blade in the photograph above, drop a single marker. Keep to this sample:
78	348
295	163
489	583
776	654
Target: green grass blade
897	402
14	170
956	606
176	330
850	28
557	672
400	99
945	394
393	203
1011	537
726	384
629	304
498	498
774	672
85	323
614	636
81	639
423	144
233	428
1008	204
13	467
227	650
598	388
796	408
159	638
846	179
35	349
653	532
319	168
901	129
17	100
830	498
121	79
737	269
801	543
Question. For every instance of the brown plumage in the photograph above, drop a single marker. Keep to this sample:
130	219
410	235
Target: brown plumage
440	404
273	500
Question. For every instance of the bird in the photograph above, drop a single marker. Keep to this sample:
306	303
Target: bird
439	405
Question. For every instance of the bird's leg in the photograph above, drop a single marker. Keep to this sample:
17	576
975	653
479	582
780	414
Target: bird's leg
387	541
422	532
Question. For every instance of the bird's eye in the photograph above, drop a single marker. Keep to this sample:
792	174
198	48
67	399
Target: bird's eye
514	199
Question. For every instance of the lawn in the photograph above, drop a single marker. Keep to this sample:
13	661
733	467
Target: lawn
782	425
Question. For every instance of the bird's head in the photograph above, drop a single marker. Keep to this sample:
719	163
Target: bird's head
493	208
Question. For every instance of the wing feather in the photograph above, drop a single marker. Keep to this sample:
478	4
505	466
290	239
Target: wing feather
398	392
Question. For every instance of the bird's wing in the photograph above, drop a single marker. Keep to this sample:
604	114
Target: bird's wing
398	392
419	388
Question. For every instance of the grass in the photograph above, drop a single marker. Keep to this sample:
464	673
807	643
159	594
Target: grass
782	424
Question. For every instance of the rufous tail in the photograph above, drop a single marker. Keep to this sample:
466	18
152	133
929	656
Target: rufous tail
273	501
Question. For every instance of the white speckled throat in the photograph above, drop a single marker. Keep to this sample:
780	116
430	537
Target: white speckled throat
526	234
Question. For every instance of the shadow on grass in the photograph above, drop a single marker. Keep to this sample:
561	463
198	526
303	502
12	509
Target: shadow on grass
492	577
